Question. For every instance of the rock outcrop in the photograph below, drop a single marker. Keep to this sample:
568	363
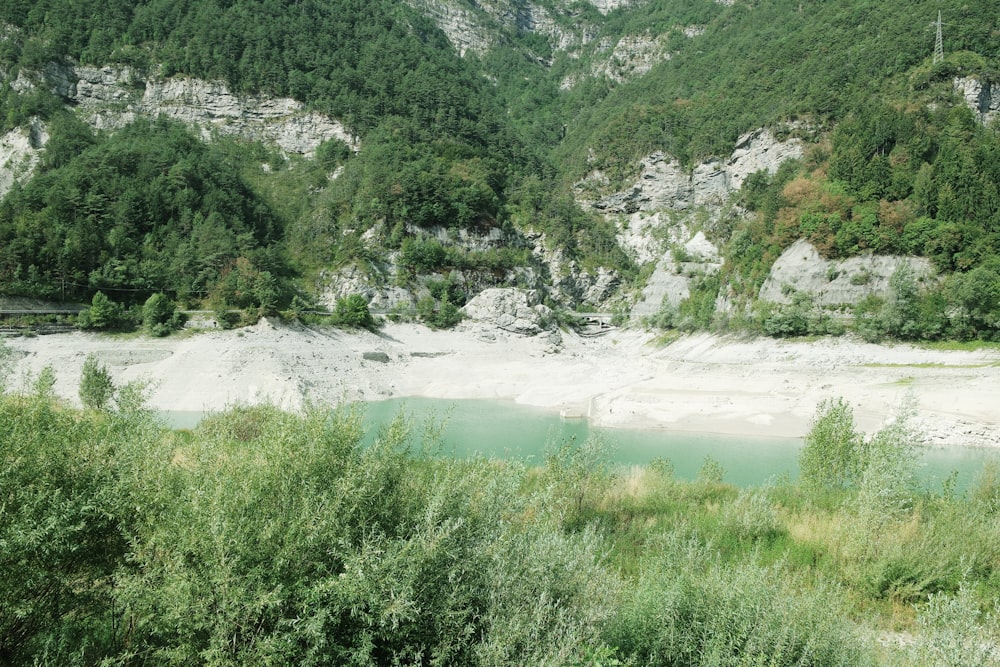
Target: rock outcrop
349	280
631	57
605	6
475	30
665	185
983	97
659	216
112	97
670	282
20	151
460	25
513	310
831	282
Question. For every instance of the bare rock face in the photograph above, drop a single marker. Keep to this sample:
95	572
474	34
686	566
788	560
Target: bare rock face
982	97
20	151
351	280
658	212
473	31
461	26
629	58
510	309
112	97
665	185
831	282
489	238
572	284
759	150
670	282
605	6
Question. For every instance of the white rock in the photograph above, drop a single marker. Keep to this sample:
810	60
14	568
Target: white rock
981	96
112	97
510	309
20	151
664	184
759	151
830	282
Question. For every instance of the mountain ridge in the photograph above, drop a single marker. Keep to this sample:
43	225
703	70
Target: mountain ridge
500	135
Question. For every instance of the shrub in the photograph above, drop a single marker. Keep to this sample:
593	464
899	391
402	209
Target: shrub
96	386
5	363
711	471
43	386
886	468
986	491
160	315
103	315
279	539
61	533
831	456
244	285
954	632
688	608
352	311
436	314
226	317
751	516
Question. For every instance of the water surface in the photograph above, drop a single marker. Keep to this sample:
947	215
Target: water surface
503	429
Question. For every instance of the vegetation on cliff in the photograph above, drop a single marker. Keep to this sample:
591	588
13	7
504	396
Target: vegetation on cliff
491	143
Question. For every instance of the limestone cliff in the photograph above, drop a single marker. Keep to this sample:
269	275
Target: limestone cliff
476	26
983	97
111	97
831	282
664	184
20	151
661	217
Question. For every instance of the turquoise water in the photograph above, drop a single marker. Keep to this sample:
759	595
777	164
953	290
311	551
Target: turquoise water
503	429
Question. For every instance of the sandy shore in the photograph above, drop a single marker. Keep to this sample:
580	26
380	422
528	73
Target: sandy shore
700	383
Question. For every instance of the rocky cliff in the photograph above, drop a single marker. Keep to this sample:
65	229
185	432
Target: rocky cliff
477	28
663	215
665	185
112	97
20	151
835	283
983	97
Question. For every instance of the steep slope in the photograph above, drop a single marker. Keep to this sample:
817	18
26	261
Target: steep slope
422	151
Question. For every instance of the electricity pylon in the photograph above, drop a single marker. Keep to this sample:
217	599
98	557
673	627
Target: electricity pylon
938	43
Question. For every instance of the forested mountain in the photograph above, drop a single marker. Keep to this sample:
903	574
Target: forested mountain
470	127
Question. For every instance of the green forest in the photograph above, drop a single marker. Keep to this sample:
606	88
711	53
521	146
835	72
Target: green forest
494	140
264	537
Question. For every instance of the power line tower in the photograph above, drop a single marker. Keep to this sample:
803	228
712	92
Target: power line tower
938	43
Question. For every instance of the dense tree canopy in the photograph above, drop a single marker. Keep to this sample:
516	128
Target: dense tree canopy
149	208
493	140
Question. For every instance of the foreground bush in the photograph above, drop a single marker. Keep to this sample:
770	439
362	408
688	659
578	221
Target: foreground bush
689	608
268	538
263	537
62	510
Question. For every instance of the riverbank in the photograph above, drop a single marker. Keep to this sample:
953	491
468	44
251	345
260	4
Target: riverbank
699	383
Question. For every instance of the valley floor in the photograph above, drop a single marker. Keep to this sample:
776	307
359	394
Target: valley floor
702	382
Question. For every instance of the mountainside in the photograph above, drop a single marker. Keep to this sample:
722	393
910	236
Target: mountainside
650	157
